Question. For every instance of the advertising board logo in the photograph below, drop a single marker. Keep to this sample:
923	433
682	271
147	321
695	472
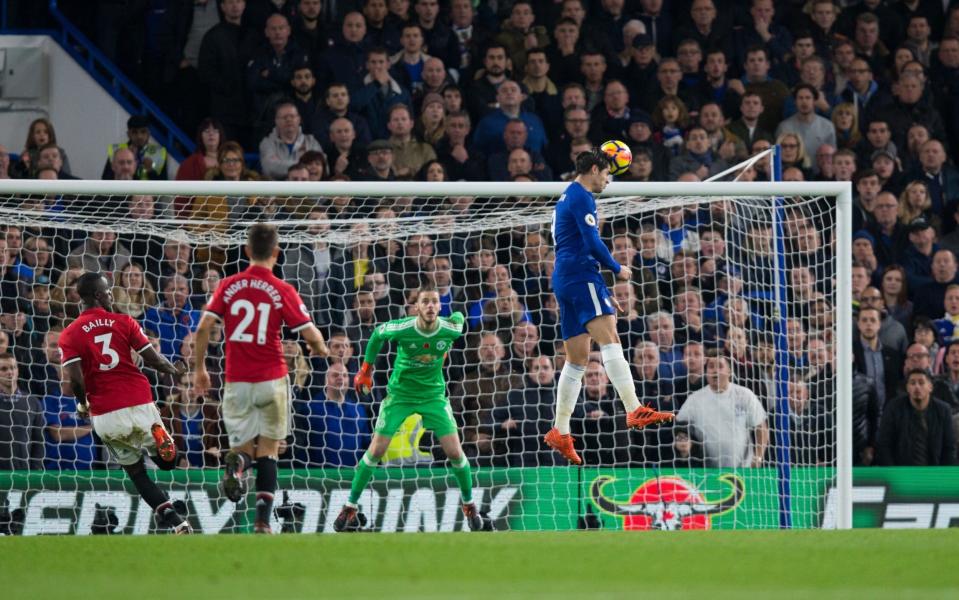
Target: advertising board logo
668	503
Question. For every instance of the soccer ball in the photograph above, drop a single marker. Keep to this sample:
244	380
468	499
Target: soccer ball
620	156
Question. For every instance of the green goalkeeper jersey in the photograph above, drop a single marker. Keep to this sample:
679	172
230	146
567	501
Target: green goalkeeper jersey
418	368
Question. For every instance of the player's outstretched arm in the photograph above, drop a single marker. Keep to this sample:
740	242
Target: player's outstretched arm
589	231
157	361
201	340
314	339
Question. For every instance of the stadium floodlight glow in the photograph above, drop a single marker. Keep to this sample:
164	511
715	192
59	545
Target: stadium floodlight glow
472	222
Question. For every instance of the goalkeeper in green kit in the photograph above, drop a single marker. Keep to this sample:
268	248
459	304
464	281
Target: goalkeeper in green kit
416	385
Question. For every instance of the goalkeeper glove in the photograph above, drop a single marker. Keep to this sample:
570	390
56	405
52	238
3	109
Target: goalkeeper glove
363	382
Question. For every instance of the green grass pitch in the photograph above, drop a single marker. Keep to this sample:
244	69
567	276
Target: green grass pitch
706	565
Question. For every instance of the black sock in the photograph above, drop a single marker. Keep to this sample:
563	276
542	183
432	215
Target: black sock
145	486
265	488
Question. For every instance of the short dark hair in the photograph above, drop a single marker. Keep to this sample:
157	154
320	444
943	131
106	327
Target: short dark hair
87	285
261	240
426	286
922	372
805	86
585	161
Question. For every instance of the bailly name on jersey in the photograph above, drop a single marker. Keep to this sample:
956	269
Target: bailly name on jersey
256	284
88	327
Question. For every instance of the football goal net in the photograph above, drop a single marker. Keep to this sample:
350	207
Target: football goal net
757	273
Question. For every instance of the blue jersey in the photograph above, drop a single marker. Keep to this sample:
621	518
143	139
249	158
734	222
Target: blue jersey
579	249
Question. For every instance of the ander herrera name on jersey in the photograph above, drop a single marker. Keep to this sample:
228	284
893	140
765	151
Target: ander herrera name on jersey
254	284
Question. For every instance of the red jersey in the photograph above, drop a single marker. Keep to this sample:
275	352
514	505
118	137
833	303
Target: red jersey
254	305
103	342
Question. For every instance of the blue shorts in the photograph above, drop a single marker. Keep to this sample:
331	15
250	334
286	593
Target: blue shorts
579	303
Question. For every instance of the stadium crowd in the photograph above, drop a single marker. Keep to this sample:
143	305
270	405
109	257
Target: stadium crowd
867	92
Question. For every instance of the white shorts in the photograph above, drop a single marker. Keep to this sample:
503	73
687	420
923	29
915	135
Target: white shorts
126	432
253	409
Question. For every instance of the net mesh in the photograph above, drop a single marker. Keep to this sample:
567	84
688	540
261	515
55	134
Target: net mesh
736	276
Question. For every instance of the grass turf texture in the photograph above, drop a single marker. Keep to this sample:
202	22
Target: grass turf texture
711	565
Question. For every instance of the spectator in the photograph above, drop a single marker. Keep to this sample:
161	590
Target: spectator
870	357
222	64
845	121
482	93
794	153
123	165
34	264
436	33
271	67
430	127
460	163
814	129
337	106
723	417
22	422
576	126
343	62
209	136
756	79
694	361
50	157
488	137
132	292
929	297
39	134
698	157
917	257
303	85
378	93
407	64
100	252
605	440
671	118
346	154
380	29
284	146
174	317
917	430
918	357
379	165
150	157
809	425
469	37
500	165
484	387
194	422
941	178
892	334
519	34
334	426
528	414
409	154
661	331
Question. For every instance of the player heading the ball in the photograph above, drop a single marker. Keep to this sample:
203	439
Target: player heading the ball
586	307
96	355
254	305
416	385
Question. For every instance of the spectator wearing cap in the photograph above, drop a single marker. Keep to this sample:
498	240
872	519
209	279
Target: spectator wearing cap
772	91
639	136
379	165
697	157
864	249
941	178
890	234
284	146
409	154
379	92
916	430
151	158
815	130
488	137
639	71
929	297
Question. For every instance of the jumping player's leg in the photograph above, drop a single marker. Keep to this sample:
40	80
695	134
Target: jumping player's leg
603	330
571	380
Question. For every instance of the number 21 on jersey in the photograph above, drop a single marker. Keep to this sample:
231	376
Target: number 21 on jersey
262	314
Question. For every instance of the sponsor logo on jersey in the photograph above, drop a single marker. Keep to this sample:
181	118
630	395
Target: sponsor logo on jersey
668	503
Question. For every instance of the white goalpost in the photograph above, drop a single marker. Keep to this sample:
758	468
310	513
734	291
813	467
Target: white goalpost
759	272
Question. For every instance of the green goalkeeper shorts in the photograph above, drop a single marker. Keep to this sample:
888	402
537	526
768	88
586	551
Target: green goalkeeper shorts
437	416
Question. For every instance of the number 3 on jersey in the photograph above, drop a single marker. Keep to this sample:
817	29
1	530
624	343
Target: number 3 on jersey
107	351
249	312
